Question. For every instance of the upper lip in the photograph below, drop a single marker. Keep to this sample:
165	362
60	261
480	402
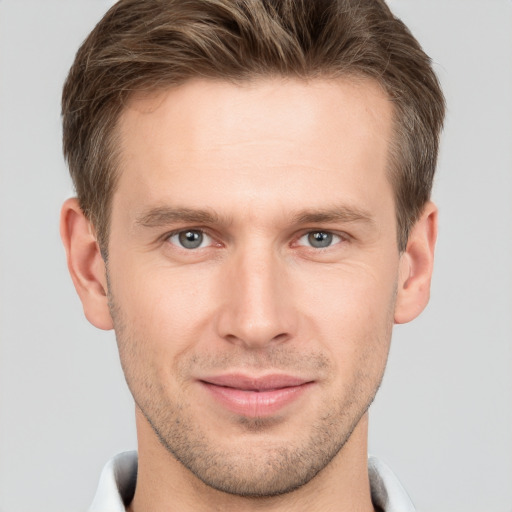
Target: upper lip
253	383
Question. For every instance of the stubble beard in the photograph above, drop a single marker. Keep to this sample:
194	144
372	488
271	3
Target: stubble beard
264	469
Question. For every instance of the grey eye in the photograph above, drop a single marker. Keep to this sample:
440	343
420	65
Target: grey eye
190	239
319	239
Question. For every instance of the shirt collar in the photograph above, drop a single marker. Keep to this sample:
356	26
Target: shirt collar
387	491
117	484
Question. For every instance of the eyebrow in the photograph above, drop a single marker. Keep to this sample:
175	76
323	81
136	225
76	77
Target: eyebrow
335	214
162	216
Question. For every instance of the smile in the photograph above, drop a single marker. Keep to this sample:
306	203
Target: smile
255	397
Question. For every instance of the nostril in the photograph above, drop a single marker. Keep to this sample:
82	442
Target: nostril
280	337
256	340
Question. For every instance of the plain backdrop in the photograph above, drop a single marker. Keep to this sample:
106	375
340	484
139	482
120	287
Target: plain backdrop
443	418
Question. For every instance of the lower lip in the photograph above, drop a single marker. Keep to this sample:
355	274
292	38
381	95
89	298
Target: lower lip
256	404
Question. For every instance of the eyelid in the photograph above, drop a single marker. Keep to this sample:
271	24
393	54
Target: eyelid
341	235
167	238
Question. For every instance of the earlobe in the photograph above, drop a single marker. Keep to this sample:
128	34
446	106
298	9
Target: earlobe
85	264
416	265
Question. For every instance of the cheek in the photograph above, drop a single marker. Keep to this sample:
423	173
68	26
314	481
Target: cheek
349	296
163	309
154	332
350	311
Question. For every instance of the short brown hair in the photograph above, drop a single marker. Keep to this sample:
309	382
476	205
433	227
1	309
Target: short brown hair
141	45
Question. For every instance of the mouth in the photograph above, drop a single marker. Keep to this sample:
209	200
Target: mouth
255	397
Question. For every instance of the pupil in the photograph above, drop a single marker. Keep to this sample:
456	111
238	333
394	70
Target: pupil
191	239
320	239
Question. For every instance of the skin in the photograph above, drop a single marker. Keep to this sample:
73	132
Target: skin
257	168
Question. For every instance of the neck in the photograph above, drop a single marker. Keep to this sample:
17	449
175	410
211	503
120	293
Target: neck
164	484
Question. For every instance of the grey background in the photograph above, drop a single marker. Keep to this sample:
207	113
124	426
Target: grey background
443	419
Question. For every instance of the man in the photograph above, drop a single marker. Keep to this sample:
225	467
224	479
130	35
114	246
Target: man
252	216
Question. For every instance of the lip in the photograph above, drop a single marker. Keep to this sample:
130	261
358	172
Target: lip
255	397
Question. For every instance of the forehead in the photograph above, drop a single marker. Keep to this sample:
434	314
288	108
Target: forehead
210	109
292	136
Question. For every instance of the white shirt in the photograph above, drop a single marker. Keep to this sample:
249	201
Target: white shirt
117	485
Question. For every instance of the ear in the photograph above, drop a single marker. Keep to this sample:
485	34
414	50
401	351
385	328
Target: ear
416	264
85	264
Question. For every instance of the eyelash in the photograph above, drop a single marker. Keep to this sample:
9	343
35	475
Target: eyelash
176	234
333	238
336	238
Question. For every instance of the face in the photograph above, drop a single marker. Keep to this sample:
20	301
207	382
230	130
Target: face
253	270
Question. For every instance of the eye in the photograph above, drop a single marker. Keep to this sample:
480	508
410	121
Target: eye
319	239
190	239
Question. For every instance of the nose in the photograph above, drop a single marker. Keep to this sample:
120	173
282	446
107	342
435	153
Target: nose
257	306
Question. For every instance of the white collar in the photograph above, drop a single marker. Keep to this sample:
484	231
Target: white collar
118	478
117	484
387	491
